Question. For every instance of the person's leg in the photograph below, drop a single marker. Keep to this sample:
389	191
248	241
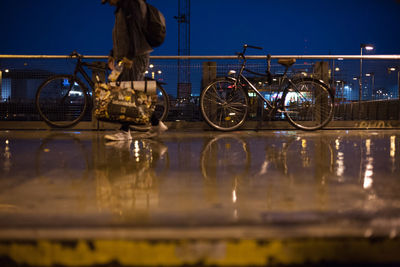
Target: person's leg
136	73
139	67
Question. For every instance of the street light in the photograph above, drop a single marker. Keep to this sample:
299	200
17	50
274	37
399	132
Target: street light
367	47
393	69
1	85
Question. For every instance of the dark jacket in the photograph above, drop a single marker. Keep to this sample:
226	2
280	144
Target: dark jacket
128	38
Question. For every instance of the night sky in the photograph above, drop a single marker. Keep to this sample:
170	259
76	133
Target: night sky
307	27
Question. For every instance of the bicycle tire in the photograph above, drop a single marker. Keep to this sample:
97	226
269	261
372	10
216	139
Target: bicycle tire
226	156
224	106
59	104
162	106
308	104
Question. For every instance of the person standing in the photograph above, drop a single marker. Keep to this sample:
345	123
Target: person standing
131	47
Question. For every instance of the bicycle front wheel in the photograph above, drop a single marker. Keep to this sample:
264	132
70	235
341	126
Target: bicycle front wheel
308	104
224	105
62	101
162	106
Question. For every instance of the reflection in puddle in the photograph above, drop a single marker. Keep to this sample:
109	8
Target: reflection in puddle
207	177
7	157
126	176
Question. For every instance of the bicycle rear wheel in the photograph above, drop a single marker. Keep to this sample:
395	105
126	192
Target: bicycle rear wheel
224	105
162	106
62	101
308	104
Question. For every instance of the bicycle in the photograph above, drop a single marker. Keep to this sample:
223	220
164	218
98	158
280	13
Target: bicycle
63	100
306	102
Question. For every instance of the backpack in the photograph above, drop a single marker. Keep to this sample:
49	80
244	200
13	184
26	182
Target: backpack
155	29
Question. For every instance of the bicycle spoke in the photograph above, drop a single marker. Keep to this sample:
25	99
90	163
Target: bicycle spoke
212	100
61	101
223	106
217	94
308	105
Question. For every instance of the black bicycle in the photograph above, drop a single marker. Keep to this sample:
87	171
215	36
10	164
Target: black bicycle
306	102
64	100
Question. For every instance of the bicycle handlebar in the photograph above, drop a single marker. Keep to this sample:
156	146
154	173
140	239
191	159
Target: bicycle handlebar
252	46
241	55
76	54
268	71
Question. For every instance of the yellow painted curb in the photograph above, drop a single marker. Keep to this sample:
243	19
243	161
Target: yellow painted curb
206	252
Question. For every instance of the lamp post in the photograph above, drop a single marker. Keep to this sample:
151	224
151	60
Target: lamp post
1	82
392	69
1	85
367	47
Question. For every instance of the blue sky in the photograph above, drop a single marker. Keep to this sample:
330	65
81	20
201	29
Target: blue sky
218	26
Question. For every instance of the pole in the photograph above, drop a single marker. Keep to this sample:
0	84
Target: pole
360	79
373	83
398	84
1	84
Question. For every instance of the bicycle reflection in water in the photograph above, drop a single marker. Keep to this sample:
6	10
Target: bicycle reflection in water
230	155
289	168
127	176
63	155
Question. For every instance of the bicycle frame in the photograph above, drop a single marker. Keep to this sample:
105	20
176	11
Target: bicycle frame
79	69
240	76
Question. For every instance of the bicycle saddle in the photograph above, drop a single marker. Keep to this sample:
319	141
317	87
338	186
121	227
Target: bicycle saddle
287	62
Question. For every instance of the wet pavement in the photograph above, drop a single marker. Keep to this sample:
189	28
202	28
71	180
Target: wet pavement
63	185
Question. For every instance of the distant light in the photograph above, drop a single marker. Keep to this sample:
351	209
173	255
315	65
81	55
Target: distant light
369	47
340	58
355	78
151	66
75	93
159	72
6	70
392	69
368	74
337	69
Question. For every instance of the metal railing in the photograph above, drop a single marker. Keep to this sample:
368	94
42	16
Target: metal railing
379	80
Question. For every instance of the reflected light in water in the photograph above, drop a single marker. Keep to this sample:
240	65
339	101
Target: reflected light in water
368	146
392	146
234	196
7	157
369	168
136	151
337	144
340	164
304	143
369	171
